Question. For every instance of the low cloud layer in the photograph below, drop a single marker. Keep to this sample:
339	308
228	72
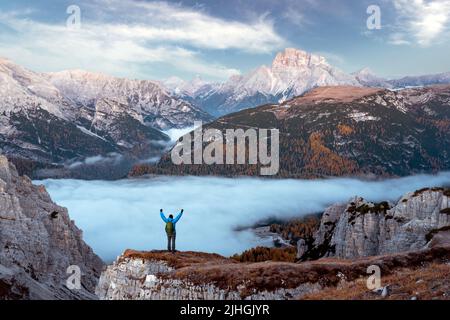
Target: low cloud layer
125	214
112	158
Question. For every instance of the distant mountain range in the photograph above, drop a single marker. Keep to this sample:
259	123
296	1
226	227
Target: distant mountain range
343	131
292	73
57	117
147	101
50	119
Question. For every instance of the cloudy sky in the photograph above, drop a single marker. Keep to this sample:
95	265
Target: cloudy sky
218	38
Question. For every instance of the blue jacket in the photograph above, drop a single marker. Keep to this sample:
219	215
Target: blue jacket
174	221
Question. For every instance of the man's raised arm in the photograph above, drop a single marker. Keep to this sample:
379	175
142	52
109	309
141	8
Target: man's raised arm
162	215
178	216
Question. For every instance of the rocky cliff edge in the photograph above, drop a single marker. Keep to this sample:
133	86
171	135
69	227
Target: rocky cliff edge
38	242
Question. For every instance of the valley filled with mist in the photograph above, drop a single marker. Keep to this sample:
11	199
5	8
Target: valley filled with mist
117	215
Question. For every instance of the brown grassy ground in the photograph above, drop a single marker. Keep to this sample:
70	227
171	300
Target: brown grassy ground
260	254
180	259
335	93
201	268
426	283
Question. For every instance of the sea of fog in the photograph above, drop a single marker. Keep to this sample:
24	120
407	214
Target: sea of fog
116	215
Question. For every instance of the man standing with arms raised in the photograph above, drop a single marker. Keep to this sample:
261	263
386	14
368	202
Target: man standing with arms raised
170	229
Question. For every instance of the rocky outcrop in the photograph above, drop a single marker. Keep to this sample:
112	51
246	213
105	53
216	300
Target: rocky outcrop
157	275
38	242
322	237
361	228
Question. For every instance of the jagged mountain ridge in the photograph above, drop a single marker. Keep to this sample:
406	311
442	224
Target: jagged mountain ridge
56	117
367	78
146	99
292	73
343	131
38	122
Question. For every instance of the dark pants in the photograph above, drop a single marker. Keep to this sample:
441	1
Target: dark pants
171	242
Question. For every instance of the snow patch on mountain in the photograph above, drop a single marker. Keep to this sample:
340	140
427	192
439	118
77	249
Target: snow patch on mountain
362	116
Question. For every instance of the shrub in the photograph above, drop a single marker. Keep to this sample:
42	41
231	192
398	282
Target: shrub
260	254
296	229
366	208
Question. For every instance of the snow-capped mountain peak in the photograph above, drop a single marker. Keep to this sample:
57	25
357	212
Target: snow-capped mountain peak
20	87
174	83
366	77
291	73
365	71
294	58
182	87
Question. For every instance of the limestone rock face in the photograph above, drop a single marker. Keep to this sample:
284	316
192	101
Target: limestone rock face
362	228
35	248
151	277
137	279
302	247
